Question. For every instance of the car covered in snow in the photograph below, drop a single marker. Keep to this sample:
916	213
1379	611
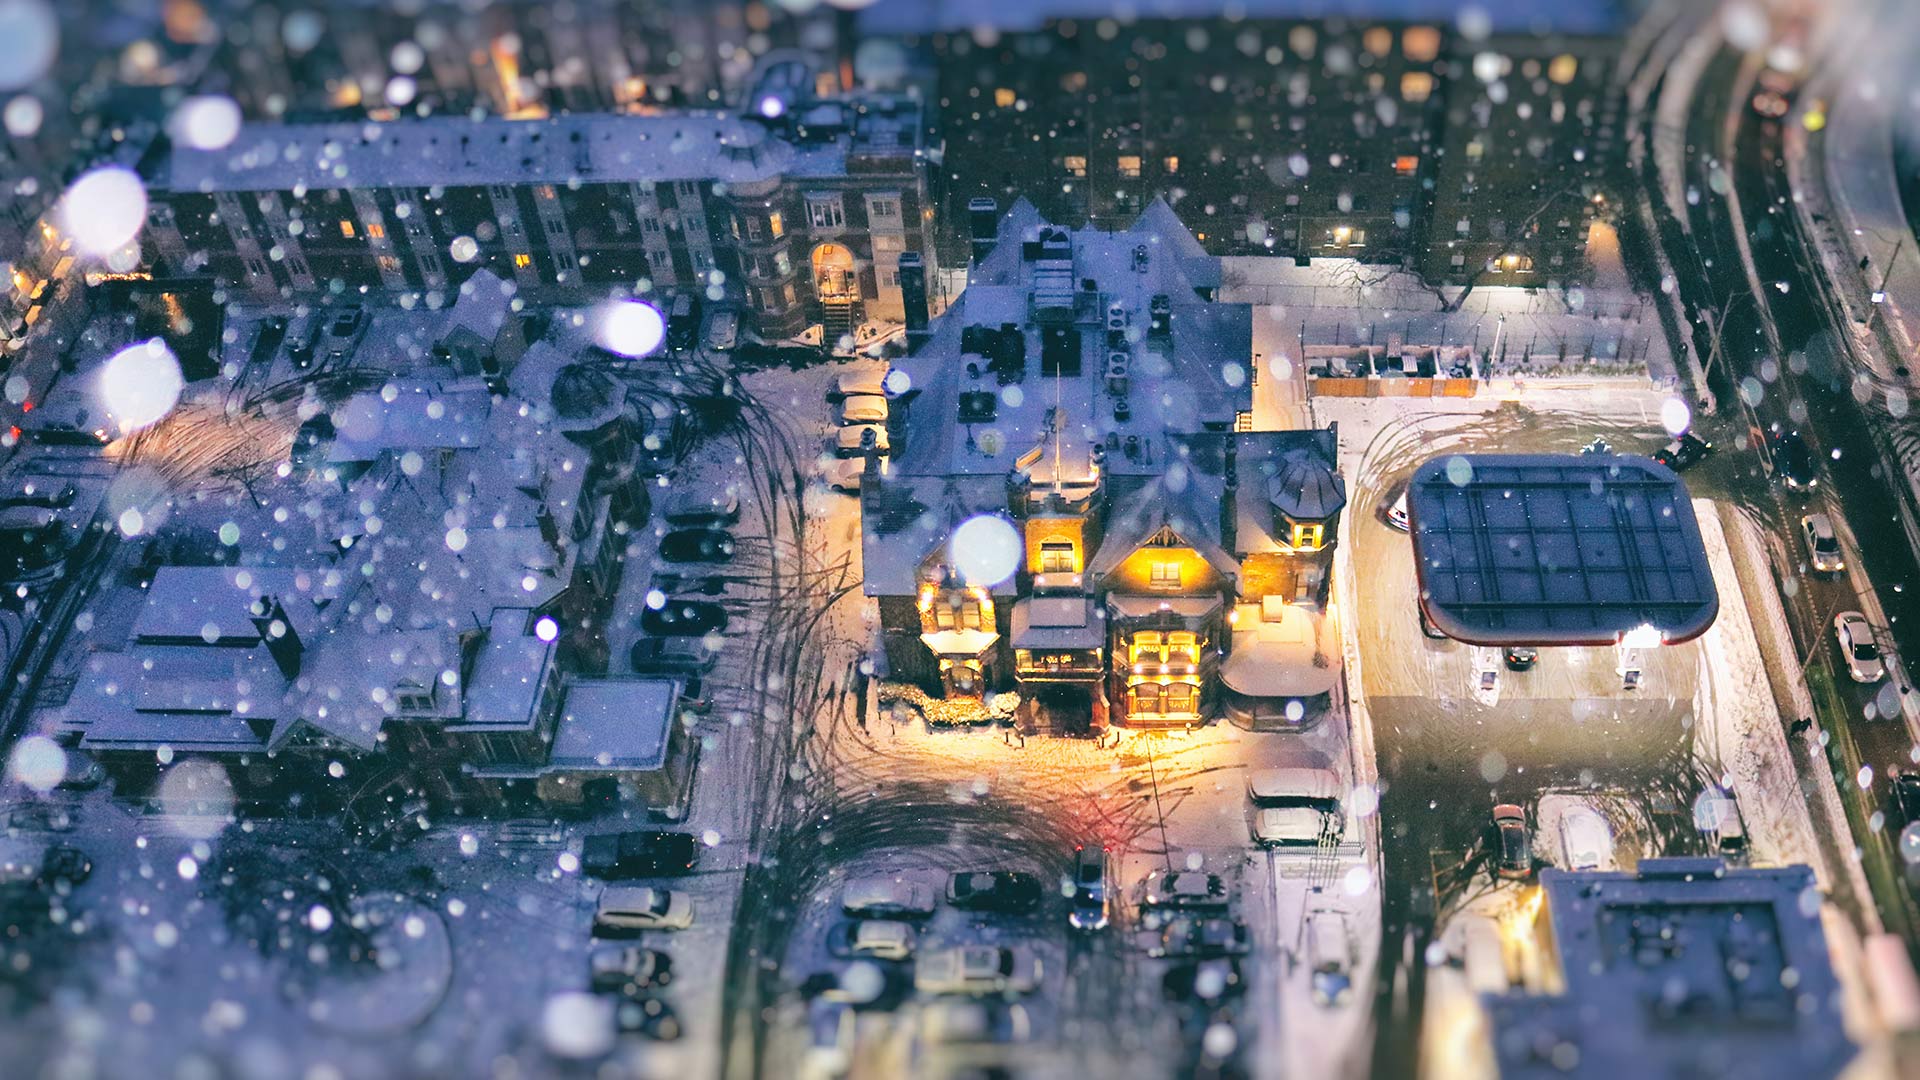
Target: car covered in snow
624	909
862	409
628	967
1294	806
883	897
874	939
977	969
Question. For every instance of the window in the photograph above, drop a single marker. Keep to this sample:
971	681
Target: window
1309	537
1420	43
1172	164
1462	227
1004	97
377	231
883	209
1178	698
1243	421
1056	557
1130	166
546	191
774	223
1146	698
1165	575
1406	164
1476	150
346	229
1563	69
753	228
1076	165
1416	86
886	244
1183	647
825	212
390	264
782	265
1378	40
522	260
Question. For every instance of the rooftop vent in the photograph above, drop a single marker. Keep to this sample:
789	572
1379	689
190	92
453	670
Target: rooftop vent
1140	259
977	406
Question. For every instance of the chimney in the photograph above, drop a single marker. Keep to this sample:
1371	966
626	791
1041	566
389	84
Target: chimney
1019	485
282	640
913	294
984	216
1230	500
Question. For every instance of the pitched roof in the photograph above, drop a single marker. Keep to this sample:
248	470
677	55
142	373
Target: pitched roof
1162	503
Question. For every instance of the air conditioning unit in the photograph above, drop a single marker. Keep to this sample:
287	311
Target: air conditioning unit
1119	368
1116	317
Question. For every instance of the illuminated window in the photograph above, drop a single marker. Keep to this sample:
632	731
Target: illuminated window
1309	537
1183	647
1378	40
1056	557
1178	698
778	226
1476	150
1172	163
1146	698
546	191
1406	164
390	264
1130	165
1563	69
1073	82
1004	97
1076	165
1243	421
1165	575
522	259
1301	40
1416	86
346	229
377	231
1420	43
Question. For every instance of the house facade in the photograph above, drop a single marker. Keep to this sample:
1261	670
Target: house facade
1074	507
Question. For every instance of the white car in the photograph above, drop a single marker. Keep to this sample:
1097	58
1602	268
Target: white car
1586	843
1397	513
977	969
849	441
723	330
624	908
881	897
862	409
1823	547
1862	653
843	474
880	939
858	383
1289	826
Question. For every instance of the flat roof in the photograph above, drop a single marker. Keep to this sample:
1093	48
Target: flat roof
616	725
1689	965
1558	549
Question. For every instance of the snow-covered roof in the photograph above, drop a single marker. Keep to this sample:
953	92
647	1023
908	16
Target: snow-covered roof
615	724
1163	502
213	604
409	414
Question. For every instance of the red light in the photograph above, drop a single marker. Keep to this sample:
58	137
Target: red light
26	406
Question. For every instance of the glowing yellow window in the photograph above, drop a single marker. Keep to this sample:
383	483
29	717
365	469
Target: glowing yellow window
1378	40
1076	165
522	259
1416	86
346	229
1130	165
1056	557
1165	575
377	231
1146	649
1420	43
1004	97
778	226
1172	163
1183	647
1563	68
1308	536
1405	164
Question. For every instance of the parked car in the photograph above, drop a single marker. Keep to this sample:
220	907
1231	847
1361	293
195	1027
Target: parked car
1212	979
1184	889
1088	910
1397	513
684	618
1586	843
1329	957
623	909
862	409
881	897
857	384
843	474
994	890
977	969
1520	657
1426	625
1683	452
648	1018
624	968
696	545
641	853
1294	806
1823	545
874	939
674	584
723	330
851	443
963	1021
1513	845
704	510
672	656
1858	648
1201	936
1793	462
683	322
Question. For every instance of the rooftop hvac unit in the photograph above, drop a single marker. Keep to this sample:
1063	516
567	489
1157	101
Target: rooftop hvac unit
1140	259
1119	367
1116	317
1161	315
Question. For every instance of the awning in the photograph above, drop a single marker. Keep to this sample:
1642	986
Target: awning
1139	607
1057	622
959	644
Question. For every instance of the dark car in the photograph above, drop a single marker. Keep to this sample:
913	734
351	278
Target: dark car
347	323
642	853
1793	462
696	545
684	618
1089	908
1204	980
649	1018
63	865
994	890
1513	846
704	585
1520	657
625	968
1683	453
672	656
1201	937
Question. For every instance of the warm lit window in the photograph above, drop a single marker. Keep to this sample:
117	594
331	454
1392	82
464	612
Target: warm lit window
1178	698
1476	150
1420	43
1308	537
1172	163
1183	647
522	260
1004	97
1076	165
778	226
546	191
1406	164
346	229
1416	86
1563	69
1378	40
1056	557
1301	40
1130	165
1243	421
377	231
1165	575
1073	82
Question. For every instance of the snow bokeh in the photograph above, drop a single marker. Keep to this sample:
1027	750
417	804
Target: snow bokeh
141	384
986	549
632	328
104	209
